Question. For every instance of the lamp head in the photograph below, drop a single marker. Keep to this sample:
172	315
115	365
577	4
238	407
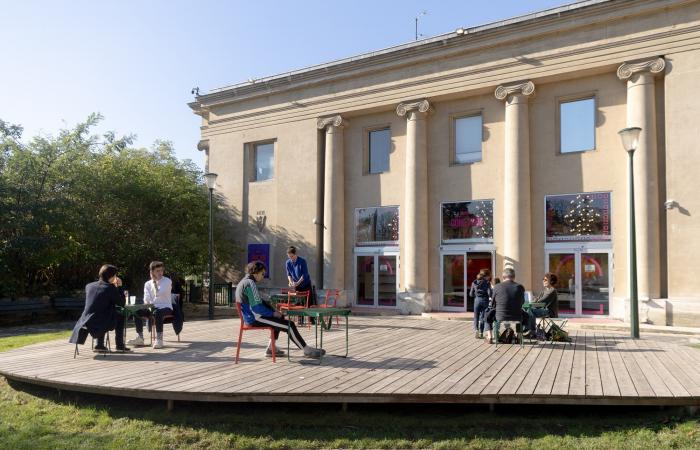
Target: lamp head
210	179
630	138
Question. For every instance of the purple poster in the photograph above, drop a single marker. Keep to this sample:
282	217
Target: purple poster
260	252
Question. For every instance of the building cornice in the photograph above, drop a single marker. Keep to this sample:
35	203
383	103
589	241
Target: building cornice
558	20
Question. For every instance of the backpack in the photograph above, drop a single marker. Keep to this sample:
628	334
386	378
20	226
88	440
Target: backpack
507	337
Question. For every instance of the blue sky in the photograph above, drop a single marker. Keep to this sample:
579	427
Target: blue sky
137	61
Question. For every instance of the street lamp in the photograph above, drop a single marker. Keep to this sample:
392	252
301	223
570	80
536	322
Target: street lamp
630	141
210	179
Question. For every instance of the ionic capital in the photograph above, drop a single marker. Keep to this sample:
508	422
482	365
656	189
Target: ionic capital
421	106
333	121
654	66
505	90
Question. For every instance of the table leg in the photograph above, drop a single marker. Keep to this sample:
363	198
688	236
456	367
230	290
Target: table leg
320	358
289	331
316	331
347	337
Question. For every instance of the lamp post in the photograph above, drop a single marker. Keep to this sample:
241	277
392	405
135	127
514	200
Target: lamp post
630	140
210	179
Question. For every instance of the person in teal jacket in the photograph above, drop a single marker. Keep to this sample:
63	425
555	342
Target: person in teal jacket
258	313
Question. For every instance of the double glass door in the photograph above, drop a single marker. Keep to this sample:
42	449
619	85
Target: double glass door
459	270
377	277
584	281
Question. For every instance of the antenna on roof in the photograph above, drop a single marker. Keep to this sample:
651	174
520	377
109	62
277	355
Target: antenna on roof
422	13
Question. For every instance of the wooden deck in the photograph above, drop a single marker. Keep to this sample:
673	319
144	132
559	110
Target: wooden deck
392	359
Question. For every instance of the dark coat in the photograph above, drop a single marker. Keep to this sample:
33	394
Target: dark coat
509	297
549	298
100	314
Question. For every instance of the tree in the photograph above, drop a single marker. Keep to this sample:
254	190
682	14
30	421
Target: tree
75	201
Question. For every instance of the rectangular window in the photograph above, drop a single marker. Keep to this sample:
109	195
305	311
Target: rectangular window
264	157
577	125
467	139
379	148
578	217
464	222
377	226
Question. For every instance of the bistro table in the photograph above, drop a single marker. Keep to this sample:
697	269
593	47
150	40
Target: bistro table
528	306
132	311
319	314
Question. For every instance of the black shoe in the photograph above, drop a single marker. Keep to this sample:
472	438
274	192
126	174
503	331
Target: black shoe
123	349
100	349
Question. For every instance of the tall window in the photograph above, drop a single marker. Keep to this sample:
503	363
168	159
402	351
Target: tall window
577	125
467	139
379	147
264	157
377	226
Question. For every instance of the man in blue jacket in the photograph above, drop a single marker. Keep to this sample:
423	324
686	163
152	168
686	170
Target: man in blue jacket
297	271
258	313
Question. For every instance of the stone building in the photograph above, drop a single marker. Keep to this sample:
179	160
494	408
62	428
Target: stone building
402	172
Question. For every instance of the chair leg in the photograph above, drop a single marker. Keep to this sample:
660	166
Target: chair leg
238	346
178	338
497	324
273	345
76	352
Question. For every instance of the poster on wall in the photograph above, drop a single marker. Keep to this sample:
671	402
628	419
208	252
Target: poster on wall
260	252
578	217
467	221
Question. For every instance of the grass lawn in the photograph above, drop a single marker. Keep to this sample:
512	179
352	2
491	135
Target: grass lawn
35	418
695	346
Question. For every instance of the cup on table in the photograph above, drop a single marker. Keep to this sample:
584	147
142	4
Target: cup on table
132	300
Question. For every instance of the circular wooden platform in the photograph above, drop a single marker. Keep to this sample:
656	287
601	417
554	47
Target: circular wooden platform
392	359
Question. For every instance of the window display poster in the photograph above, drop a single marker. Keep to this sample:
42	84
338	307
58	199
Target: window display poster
260	252
467	221
377	226
578	217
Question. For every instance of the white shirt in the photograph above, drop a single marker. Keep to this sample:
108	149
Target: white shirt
160	298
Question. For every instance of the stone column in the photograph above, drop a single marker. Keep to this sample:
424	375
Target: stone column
333	204
203	146
415	223
516	201
641	112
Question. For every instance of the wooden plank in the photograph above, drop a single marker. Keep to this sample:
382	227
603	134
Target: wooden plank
549	372
529	383
624	380
577	385
682	371
562	380
493	379
523	371
641	384
637	352
608	380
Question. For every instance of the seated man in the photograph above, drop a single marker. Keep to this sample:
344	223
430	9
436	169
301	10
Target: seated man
258	313
508	299
157	292
100	314
549	297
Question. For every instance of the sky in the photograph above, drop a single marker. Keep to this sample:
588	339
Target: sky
136	62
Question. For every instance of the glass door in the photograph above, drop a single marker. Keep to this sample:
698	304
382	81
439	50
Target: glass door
377	279
583	286
459	270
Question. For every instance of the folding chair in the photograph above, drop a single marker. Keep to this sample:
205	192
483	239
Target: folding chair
293	298
245	327
92	345
554	328
518	329
330	301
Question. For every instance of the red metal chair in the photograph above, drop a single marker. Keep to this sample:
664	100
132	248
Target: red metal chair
330	301
295	300
245	327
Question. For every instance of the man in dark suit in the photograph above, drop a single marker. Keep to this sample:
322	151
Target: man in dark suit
508	297
100	314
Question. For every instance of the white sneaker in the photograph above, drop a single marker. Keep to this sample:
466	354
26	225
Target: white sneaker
158	344
137	341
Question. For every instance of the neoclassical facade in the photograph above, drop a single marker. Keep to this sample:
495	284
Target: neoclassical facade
401	173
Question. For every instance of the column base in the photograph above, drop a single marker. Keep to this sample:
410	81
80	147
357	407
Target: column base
414	302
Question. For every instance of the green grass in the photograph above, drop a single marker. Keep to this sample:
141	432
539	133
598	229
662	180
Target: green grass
695	345
35	418
9	343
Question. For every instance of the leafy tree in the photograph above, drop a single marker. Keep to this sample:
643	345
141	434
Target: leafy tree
72	202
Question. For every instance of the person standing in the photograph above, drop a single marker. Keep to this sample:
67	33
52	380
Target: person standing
481	292
297	272
258	313
100	314
157	292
